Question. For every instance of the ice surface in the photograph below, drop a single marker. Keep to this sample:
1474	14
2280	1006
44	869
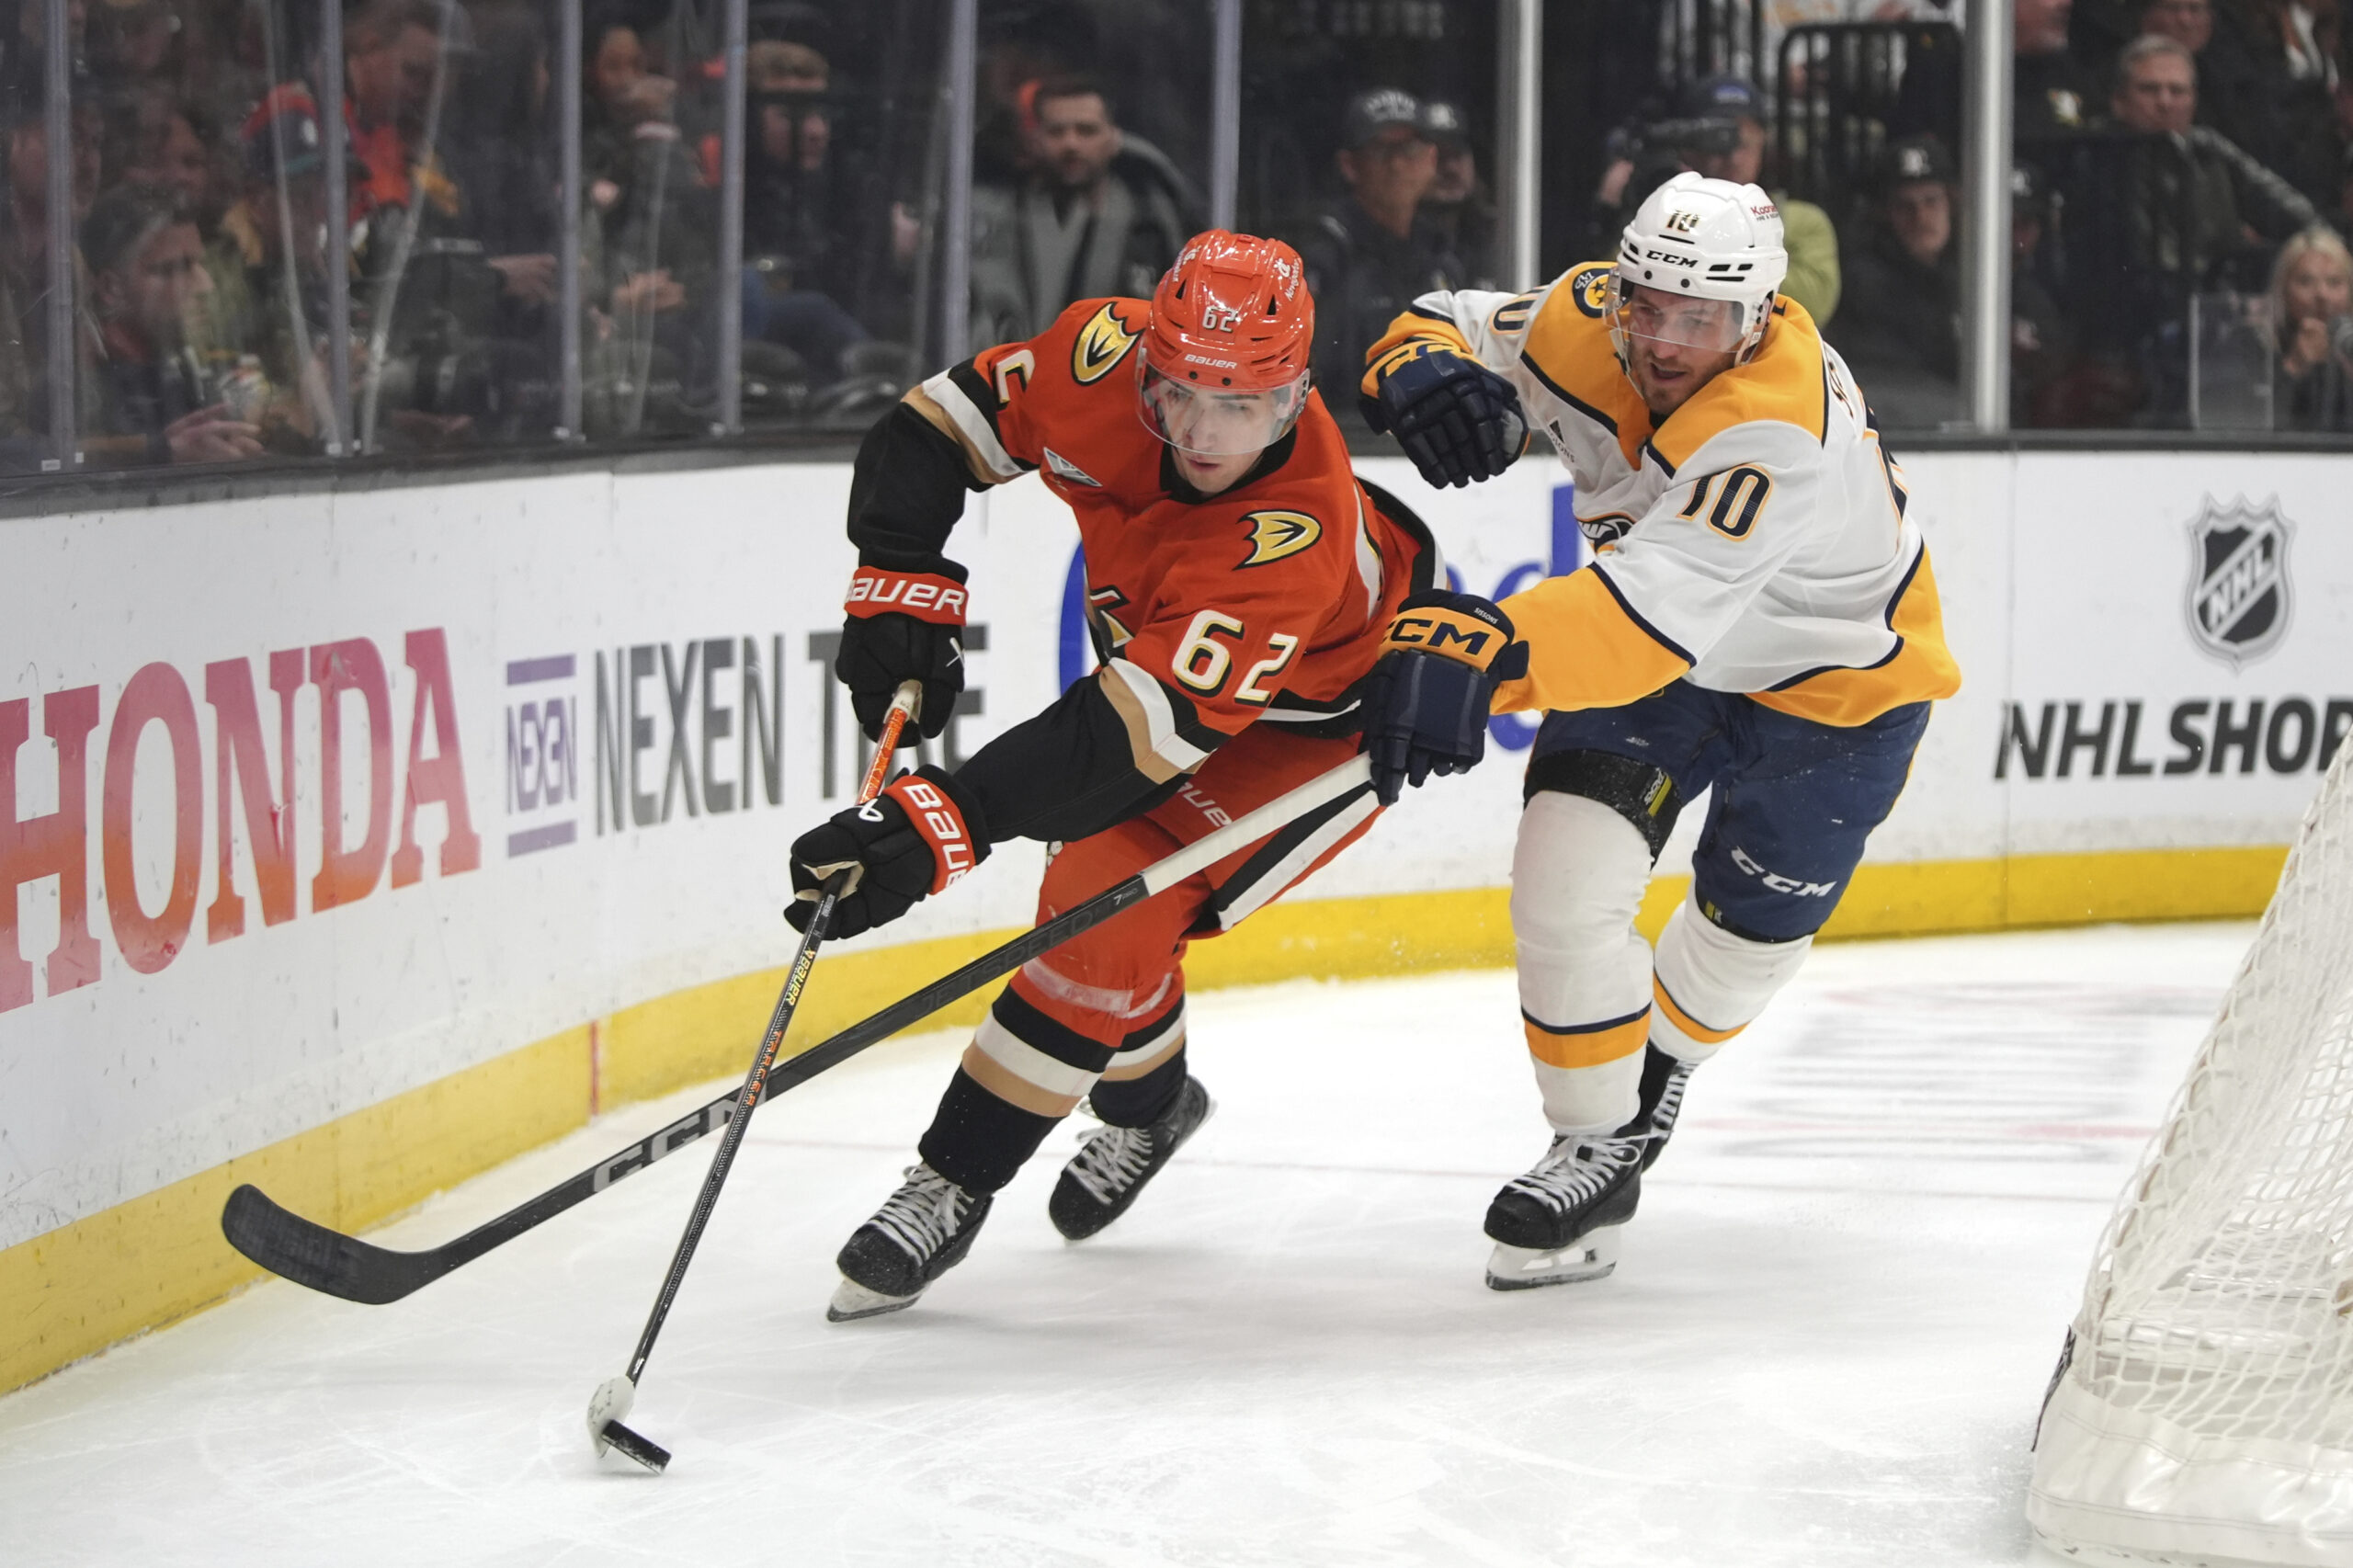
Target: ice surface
1826	1346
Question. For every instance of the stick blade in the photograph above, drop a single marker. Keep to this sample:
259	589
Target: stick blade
636	1446
311	1255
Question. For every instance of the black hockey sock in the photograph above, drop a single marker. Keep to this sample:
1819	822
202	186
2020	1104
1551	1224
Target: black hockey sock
1140	1102
978	1140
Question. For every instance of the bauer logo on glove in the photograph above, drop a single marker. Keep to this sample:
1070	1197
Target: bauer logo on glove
917	837
905	621
923	595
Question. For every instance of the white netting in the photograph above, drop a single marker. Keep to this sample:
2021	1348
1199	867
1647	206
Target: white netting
2206	1412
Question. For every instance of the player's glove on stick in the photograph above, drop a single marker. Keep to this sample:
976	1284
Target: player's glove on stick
904	624
915	838
1425	701
1458	420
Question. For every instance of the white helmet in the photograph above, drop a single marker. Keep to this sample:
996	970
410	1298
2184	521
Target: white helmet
1703	239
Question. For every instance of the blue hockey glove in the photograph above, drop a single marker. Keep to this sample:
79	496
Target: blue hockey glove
1425	701
1458	420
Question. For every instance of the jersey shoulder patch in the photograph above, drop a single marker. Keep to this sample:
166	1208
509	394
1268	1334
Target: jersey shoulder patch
1278	535
1569	353
1588	287
1101	344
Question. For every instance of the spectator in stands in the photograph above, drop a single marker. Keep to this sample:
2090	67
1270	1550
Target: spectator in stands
2290	109
262	326
2197	202
1366	258
1087	220
135	40
2053	92
2044	385
801	216
146	266
1807	233
1900	324
391	51
24	268
1460	209
651	230
2312	315
157	140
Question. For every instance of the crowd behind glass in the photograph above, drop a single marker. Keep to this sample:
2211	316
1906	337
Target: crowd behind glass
2179	194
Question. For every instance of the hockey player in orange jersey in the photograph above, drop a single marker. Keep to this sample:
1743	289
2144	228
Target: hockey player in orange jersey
1239	581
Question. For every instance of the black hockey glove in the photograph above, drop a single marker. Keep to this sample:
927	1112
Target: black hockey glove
914	839
904	624
1458	420
1426	700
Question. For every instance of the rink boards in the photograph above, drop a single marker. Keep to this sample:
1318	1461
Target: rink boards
360	840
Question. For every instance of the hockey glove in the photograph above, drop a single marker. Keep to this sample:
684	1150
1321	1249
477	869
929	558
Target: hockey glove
915	838
904	625
1458	420
1426	700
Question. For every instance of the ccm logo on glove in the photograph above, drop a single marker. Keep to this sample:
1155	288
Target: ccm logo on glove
1471	635
941	827
875	590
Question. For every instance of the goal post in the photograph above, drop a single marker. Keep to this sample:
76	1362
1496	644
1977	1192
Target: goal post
2202	1411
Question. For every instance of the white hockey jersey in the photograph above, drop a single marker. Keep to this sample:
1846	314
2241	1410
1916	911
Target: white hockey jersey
1756	541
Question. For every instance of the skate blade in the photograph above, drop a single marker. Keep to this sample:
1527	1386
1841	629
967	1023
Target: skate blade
1591	1257
853	1301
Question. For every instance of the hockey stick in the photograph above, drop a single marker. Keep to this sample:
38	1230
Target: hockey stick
326	1260
612	1398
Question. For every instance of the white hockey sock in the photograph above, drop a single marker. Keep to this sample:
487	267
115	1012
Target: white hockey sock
1578	873
1712	985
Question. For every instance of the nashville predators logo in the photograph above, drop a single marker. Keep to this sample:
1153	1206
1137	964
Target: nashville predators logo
1274	535
1103	342
1589	287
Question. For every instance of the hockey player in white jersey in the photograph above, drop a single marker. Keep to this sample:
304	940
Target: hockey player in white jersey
1760	620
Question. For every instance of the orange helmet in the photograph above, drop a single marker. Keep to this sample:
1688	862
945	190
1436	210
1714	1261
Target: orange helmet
1225	367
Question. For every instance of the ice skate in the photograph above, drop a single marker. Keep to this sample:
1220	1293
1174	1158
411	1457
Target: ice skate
1103	1179
1663	1079
1558	1224
922	1232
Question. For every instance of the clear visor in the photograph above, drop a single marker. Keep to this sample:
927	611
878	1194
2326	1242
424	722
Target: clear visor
1714	327
1216	422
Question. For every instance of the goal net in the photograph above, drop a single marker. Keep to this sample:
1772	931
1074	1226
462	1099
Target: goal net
2202	1411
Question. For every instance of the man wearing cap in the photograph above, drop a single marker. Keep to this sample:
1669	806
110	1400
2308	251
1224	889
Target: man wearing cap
1367	257
1807	233
1900	330
1459	210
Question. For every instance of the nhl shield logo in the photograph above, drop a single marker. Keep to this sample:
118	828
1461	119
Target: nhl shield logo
2238	579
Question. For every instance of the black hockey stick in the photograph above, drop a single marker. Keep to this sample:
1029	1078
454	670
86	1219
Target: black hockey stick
326	1260
612	1398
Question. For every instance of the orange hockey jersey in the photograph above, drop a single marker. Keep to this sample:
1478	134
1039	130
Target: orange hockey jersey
1265	603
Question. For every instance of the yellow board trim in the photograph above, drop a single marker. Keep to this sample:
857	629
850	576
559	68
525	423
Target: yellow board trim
148	1262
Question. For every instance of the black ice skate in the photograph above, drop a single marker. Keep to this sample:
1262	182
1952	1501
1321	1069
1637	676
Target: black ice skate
1103	1179
1664	1077
1558	1224
924	1231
